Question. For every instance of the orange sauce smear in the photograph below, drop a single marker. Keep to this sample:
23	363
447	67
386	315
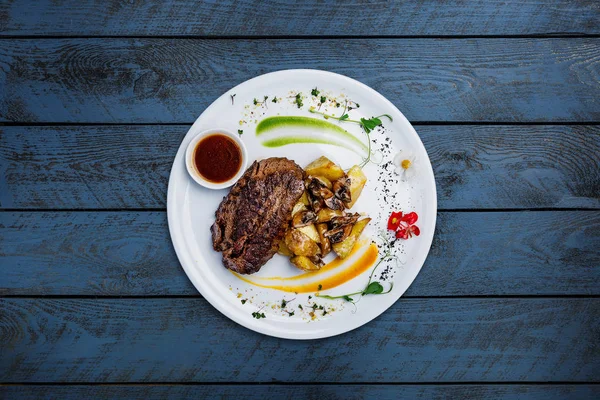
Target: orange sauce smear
295	284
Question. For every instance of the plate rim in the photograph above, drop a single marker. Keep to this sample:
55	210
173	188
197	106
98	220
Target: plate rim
203	289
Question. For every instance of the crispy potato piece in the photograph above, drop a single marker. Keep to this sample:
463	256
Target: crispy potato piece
326	214
304	263
283	249
357	182
325	243
323	166
311	232
299	206
301	244
304	199
344	248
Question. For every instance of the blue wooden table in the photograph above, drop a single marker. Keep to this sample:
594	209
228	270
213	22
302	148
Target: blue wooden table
95	97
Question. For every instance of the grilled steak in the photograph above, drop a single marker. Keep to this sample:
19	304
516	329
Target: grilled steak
253	217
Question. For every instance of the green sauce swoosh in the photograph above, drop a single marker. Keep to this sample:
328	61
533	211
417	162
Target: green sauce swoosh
337	136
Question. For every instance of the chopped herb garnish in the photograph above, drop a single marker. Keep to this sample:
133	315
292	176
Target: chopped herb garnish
240	132
324	312
258	315
314	306
264	102
244	301
320	287
323	99
315	92
300	306
309	297
298	100
290	313
283	303
274	99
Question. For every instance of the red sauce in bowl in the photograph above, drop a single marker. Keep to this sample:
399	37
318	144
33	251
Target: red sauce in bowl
217	158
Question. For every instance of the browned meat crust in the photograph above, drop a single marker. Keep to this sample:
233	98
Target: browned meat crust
253	217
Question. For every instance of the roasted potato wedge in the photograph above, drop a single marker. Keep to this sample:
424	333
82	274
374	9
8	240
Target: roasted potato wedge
323	166
304	199
344	248
326	214
311	232
283	249
357	182
325	243
304	263
300	243
298	207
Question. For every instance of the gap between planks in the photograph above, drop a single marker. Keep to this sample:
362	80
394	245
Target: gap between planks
557	35
270	383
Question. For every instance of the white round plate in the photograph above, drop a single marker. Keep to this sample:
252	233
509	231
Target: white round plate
191	207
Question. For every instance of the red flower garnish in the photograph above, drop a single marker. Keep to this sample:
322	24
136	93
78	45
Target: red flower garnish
408	232
404	225
410	218
394	221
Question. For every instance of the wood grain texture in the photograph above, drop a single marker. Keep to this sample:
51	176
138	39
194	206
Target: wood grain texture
128	166
302	392
187	340
130	253
307	18
172	81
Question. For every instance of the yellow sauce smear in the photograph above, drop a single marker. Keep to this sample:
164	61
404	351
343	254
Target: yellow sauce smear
309	282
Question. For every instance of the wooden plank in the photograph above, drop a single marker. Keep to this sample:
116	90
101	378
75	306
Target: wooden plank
187	340
130	253
128	166
307	18
172	81
303	392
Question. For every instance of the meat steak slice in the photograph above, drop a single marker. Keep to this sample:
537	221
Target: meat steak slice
253	217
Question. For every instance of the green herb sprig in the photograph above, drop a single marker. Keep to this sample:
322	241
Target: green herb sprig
372	287
366	124
264	102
